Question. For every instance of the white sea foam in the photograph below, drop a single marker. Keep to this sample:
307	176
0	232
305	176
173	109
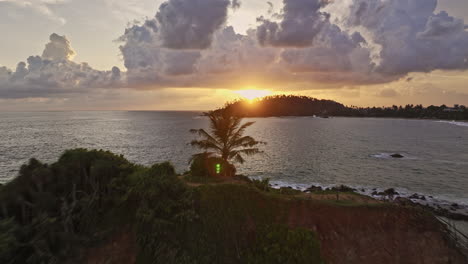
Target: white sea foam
457	123
388	155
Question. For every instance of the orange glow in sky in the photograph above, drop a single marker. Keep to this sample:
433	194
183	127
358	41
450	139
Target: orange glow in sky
252	94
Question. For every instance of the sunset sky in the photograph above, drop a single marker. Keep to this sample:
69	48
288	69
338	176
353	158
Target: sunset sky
197	54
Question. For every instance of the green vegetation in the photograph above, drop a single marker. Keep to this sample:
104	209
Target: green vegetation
165	208
50	210
279	244
54	213
289	105
225	144
240	224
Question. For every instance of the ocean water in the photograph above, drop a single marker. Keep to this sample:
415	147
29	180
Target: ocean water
300	151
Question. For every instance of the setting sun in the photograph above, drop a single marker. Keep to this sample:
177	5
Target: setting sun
253	94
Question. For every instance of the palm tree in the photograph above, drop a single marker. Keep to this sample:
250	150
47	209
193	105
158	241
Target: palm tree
227	140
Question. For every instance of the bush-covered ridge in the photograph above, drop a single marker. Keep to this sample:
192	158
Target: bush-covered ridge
290	105
68	211
53	213
50	210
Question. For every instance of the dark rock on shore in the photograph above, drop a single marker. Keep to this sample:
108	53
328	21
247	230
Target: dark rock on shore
446	213
388	192
288	191
436	209
314	188
417	196
397	156
342	188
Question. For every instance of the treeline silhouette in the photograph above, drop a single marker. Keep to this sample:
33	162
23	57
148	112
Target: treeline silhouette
291	105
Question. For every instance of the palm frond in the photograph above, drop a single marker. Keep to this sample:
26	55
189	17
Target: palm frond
238	158
204	144
203	154
226	138
249	151
204	134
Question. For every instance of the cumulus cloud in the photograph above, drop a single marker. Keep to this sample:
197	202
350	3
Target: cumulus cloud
304	47
58	48
190	24
186	44
54	73
301	21
270	7
236	4
412	38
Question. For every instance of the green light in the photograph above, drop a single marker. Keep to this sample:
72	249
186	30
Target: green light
218	168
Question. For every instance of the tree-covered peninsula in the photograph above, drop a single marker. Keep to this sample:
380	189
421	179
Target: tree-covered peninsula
290	105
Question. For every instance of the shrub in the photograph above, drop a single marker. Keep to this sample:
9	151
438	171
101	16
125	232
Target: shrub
205	166
198	166
9	244
282	245
165	206
262	184
56	207
236	225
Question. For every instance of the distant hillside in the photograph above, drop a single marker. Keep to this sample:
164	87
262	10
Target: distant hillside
285	105
289	105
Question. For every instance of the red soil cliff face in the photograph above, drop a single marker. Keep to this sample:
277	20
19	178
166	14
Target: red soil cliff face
375	234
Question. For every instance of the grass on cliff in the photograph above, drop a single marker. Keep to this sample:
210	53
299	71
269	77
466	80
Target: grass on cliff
237	223
55	213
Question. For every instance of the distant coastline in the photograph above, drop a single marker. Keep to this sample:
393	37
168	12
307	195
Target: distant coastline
290	106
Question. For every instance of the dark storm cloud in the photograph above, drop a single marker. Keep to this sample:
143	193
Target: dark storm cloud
187	44
190	24
412	37
301	22
304	46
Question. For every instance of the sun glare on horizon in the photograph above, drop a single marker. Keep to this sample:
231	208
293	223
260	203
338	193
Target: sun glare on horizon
252	94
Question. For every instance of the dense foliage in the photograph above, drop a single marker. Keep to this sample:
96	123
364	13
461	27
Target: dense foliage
49	209
55	213
165	208
288	105
239	224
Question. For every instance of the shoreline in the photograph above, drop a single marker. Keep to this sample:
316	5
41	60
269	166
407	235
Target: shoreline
440	207
366	117
455	218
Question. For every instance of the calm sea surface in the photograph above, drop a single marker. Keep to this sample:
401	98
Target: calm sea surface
301	151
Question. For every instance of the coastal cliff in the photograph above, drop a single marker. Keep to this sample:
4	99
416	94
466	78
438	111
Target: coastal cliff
96	207
348	231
